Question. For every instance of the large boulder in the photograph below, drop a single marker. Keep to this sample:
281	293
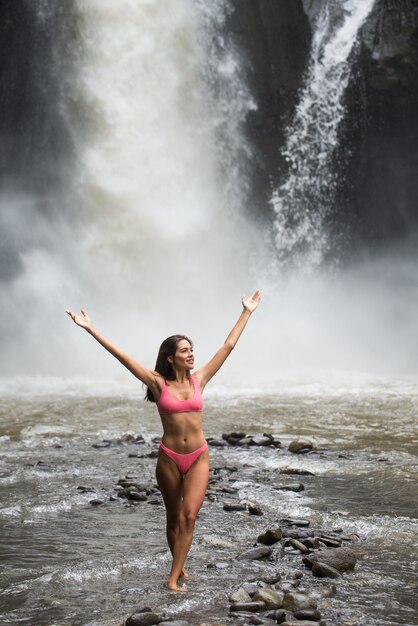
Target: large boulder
342	559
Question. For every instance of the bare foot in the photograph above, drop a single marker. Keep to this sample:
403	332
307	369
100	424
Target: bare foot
184	574
173	587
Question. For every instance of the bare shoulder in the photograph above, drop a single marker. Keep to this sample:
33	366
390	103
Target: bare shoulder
156	382
200	377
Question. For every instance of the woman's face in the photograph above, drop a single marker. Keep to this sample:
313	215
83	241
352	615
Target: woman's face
184	358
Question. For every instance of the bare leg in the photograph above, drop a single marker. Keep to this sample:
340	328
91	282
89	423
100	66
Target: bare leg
170	482
182	499
194	489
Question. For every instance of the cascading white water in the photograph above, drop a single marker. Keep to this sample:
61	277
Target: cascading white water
157	224
157	243
155	176
304	199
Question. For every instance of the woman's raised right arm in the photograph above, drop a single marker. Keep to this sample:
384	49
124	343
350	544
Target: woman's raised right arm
147	376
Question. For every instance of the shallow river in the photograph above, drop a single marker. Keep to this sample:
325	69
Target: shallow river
64	561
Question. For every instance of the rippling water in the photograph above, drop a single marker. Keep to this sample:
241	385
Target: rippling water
66	562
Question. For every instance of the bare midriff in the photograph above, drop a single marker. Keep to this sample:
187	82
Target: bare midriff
183	431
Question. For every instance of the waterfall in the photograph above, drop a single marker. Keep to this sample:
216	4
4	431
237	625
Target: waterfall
303	201
155	103
148	232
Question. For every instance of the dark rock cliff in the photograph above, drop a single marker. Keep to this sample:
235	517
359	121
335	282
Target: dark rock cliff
274	39
381	189
36	43
378	156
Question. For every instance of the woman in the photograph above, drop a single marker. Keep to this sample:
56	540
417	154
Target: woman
183	458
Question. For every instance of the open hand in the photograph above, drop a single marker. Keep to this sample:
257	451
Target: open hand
82	320
251	303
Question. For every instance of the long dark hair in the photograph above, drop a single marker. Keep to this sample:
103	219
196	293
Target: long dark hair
163	365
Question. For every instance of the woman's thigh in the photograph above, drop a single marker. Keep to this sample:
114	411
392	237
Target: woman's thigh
195	484
170	482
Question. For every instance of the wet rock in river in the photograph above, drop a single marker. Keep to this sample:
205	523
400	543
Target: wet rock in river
290	487
249	618
244	443
226	489
322	570
96	502
311	542
255	554
261	441
270	536
234	506
104	444
254	509
299	546
272	598
233	438
296	471
298	602
217	443
292	533
250	588
291	521
308	614
342	559
132	494
155	501
331	542
300	446
240	595
143	619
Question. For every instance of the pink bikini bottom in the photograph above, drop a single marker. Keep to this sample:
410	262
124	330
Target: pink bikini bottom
184	461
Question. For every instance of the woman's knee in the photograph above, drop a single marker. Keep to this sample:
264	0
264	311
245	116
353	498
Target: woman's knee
189	520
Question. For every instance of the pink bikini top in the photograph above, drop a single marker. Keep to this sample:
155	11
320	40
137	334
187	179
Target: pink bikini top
167	404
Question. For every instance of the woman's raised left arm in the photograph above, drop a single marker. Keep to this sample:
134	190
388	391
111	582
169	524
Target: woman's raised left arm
205	373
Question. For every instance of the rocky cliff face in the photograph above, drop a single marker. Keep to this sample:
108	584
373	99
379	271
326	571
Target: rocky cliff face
378	157
382	101
274	40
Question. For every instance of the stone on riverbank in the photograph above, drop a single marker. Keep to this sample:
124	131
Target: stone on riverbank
234	506
255	554
308	614
272	598
270	536
240	595
342	559
300	446
217	443
291	487
143	619
322	570
298	602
